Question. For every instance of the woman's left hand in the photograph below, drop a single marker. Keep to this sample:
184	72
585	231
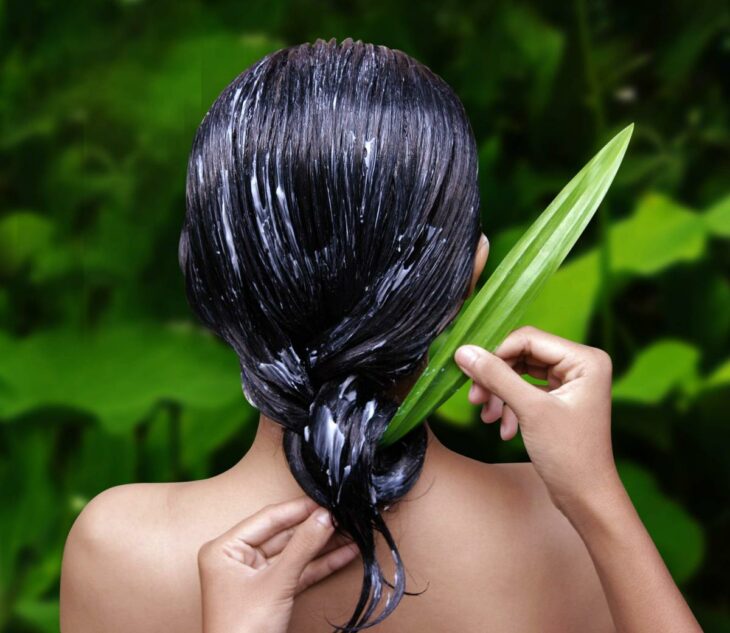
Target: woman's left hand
250	575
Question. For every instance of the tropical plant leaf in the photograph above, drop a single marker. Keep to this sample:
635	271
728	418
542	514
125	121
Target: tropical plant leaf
501	302
117	374
656	371
717	217
659	234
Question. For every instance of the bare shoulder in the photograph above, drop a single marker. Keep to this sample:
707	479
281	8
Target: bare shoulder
561	570
515	537
113	558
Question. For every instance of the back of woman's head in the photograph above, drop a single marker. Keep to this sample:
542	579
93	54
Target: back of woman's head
332	220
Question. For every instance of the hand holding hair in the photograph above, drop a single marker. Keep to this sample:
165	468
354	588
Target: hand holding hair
250	574
566	427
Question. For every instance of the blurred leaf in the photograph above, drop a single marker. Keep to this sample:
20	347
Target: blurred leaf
205	430
720	377
100	460
26	532
713	621
501	244
694	302
190	77
23	235
659	234
656	371
677	535
41	615
117	374
676	65
540	50
717	217
566	304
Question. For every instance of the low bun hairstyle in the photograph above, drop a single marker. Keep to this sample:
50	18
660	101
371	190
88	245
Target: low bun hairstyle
332	220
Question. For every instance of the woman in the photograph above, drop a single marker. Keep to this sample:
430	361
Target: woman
332	232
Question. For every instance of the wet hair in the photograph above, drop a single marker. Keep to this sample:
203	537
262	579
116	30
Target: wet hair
332	221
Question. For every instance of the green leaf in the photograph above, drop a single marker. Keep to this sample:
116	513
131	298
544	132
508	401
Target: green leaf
100	460
118	373
720	377
23	235
717	217
539	48
25	477
457	409
42	615
195	70
501	302
656	371
677	535
659	234
205	430
566	304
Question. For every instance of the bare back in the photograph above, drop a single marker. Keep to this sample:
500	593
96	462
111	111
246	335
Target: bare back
484	541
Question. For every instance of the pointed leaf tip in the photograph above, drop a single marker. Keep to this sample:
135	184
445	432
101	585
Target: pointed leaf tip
498	306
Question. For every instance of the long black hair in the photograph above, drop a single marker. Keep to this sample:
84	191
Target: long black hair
332	221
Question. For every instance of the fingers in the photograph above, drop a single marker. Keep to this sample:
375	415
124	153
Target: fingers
495	409
541	354
478	394
495	375
492	410
327	564
276	544
270	520
508	428
306	543
243	553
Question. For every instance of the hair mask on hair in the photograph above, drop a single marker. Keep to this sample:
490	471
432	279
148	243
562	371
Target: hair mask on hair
332	220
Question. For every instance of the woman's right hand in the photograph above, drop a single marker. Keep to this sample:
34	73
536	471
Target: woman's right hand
566	425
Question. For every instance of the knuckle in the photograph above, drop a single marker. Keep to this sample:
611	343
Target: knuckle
271	515
522	337
602	359
481	364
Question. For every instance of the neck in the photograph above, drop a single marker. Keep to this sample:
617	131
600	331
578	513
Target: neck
266	463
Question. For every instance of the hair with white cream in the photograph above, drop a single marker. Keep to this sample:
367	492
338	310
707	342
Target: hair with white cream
332	219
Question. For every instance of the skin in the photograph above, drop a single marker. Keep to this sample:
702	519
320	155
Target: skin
552	545
267	560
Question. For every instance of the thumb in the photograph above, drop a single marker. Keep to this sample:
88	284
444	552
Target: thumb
308	539
492	373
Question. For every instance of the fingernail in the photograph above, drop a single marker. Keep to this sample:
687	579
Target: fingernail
503	433
483	241
466	355
323	517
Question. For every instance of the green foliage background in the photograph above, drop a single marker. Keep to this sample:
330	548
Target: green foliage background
105	378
